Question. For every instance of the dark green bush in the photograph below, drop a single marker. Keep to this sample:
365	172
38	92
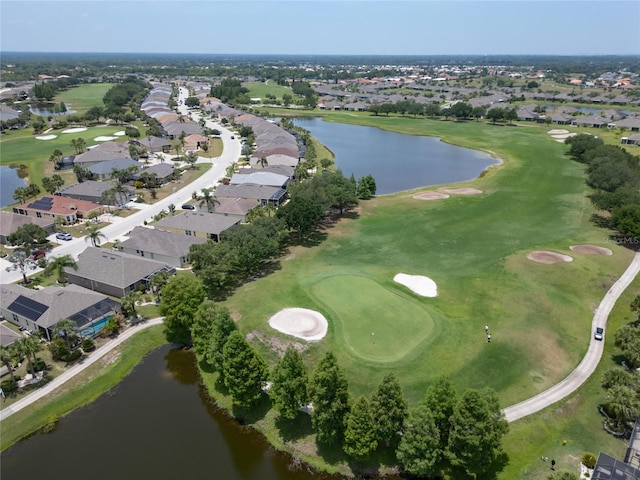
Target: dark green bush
40	365
8	386
589	460
73	356
88	345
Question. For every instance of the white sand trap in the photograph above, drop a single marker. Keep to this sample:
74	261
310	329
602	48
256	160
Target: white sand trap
121	133
75	130
103	138
548	257
423	286
430	196
557	131
564	135
591	250
462	191
300	322
46	137
559	140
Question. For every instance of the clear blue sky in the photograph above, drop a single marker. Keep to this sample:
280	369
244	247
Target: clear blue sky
425	27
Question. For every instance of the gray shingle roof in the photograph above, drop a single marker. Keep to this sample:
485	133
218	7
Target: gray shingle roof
90	188
160	242
247	190
214	223
104	168
10	222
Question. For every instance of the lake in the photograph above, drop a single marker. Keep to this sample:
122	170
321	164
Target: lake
158	423
398	162
9	181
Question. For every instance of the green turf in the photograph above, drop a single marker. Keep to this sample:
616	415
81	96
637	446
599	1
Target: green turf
83	97
261	89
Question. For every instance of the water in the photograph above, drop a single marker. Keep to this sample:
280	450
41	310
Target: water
398	162
158	423
9	181
93	330
45	109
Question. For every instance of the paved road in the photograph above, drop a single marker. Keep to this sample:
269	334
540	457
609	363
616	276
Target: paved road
590	361
73	371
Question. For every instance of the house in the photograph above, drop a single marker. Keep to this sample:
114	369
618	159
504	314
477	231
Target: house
93	191
594	121
609	468
65	163
198	224
102	152
260	178
114	273
631	140
7	337
161	173
175	129
235	207
262	193
276	160
153	144
559	118
10	222
192	143
632	123
527	113
52	207
103	170
279	169
40	310
163	246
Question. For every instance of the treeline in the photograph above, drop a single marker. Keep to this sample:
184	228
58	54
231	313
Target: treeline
230	90
615	175
131	91
246	249
48	90
443	431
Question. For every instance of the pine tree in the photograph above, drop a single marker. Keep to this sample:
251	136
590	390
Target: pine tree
330	398
222	328
389	409
206	316
245	371
289	384
441	399
360	434
419	450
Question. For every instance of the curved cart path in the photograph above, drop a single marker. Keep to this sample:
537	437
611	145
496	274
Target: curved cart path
73	371
590	361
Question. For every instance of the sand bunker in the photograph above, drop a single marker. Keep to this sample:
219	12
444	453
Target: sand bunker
75	130
301	323
430	196
104	138
557	131
423	286
121	133
462	191
46	137
590	250
545	256
564	136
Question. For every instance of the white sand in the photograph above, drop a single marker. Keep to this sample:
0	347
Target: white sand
557	131
423	286
75	130
46	137
119	134
564	135
103	138
301	323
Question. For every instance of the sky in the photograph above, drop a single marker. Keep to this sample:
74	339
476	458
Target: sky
340	27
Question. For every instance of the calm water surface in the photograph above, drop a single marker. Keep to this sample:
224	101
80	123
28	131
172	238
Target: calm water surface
157	424
398	162
9	181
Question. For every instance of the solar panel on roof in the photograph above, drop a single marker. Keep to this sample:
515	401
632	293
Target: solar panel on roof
28	308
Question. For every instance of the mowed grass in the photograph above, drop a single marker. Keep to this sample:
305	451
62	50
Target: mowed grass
83	97
261	89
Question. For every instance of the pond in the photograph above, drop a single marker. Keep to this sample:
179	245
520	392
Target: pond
49	109
398	162
9	181
158	423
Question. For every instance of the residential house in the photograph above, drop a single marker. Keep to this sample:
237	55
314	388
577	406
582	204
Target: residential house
632	123
38	311
53	206
631	140
7	337
175	129
262	193
260	178
193	143
163	246
276	160
103	170
198	224
279	169
153	144
235	207
594	121
161	173
93	191
100	153
10	222
114	273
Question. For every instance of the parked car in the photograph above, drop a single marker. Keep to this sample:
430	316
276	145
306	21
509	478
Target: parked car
64	236
599	333
38	254
188	206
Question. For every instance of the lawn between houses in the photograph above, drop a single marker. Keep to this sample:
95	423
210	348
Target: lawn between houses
475	249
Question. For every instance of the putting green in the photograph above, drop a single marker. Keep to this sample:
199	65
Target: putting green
375	323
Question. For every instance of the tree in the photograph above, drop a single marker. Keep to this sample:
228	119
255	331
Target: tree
366	187
289	381
208	199
7	356
300	214
191	158
26	347
65	329
20	194
27	236
623	403
441	398
58	265
157	281
94	235
330	398
245	371
627	339
496	114
223	327
129	303
203	321
360	433
626	220
390	410
179	301
477	428
419	450
263	162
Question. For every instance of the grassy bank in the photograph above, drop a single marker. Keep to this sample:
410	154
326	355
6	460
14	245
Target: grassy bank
83	388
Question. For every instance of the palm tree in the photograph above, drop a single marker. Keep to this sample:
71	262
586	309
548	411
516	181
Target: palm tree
623	403
74	144
58	264
120	191
263	162
108	198
81	143
129	302
94	235
25	347
191	158
33	346
7	355
66	329
208	199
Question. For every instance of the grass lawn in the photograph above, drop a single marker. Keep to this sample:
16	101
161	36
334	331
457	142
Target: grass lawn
475	249
261	89
83	388
83	97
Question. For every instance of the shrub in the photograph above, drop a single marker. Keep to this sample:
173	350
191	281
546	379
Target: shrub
58	349
73	356
8	386
40	365
589	460
88	345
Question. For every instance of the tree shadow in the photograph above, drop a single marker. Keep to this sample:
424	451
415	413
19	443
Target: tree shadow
495	468
366	468
601	221
332	454
294	429
248	416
